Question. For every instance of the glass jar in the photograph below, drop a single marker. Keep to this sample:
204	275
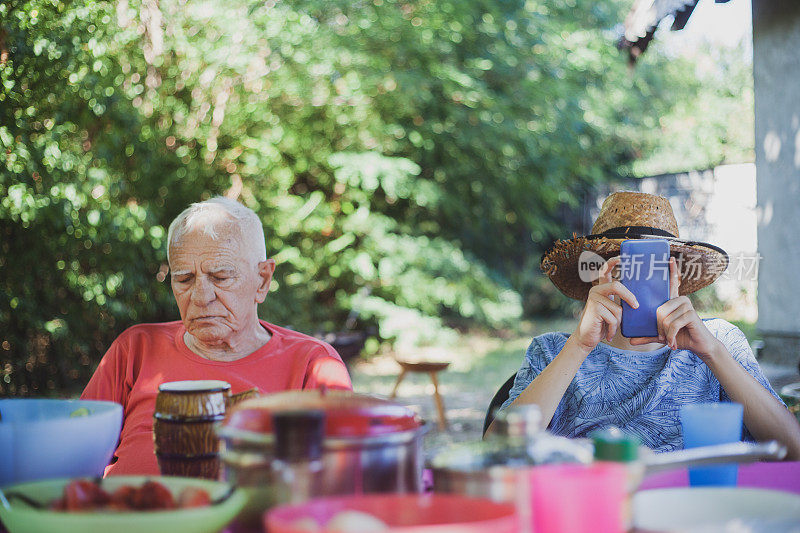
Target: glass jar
297	467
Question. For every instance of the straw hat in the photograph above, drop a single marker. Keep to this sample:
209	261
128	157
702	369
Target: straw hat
632	215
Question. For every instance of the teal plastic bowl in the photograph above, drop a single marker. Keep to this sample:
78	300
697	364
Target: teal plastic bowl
41	439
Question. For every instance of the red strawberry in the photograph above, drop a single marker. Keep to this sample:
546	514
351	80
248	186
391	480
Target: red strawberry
82	494
154	495
193	497
124	498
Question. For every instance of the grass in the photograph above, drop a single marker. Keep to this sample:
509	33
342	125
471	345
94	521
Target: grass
479	364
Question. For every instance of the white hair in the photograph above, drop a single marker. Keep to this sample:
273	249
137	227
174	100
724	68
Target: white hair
210	214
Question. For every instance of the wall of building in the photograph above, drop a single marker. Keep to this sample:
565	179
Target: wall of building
776	70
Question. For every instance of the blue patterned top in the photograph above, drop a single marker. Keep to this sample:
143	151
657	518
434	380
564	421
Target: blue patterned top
640	392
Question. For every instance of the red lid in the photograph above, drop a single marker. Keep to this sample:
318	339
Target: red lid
347	414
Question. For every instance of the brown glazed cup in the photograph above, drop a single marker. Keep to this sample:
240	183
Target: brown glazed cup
183	427
188	437
202	466
190	399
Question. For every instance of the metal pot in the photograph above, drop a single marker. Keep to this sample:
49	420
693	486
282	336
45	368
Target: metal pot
492	470
370	446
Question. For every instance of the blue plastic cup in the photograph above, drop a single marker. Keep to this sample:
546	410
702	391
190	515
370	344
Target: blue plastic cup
705	424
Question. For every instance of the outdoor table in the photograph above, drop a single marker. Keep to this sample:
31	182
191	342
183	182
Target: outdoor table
783	475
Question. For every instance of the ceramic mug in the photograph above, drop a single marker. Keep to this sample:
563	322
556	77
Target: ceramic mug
186	413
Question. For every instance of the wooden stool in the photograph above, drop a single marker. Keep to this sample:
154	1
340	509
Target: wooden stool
431	369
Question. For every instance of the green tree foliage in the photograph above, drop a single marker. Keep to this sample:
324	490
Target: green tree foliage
80	253
408	158
707	120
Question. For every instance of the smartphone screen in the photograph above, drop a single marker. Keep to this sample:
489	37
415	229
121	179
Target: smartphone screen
644	270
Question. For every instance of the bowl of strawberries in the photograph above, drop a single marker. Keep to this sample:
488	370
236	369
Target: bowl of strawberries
120	504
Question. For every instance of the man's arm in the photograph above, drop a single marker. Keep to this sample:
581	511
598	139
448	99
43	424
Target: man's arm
108	380
327	370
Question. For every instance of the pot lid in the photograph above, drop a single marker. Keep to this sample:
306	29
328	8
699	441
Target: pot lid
347	414
545	448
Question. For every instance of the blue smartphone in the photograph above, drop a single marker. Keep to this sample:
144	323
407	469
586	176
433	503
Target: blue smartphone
644	270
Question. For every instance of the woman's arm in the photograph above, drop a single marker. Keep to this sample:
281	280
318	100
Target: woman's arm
599	320
682	329
547	389
764	416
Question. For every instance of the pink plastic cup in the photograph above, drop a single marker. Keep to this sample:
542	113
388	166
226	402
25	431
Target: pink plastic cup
578	498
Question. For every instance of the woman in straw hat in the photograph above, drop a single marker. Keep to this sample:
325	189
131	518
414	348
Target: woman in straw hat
597	378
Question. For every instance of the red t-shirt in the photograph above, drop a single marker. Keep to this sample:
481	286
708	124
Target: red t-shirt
146	355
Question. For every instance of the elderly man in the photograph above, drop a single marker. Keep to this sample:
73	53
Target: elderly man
220	274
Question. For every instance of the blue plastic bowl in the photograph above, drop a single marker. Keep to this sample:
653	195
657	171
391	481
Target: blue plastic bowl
41	439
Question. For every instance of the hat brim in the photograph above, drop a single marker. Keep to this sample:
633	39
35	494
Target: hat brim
700	263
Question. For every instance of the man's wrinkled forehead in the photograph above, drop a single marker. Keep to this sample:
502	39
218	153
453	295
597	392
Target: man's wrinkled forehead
210	266
228	245
218	230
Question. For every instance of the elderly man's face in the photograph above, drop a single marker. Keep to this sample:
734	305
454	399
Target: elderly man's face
217	285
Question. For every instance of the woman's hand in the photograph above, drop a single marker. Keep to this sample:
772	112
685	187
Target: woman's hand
601	316
679	326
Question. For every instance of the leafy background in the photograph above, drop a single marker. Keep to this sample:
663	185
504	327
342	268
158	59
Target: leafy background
409	159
